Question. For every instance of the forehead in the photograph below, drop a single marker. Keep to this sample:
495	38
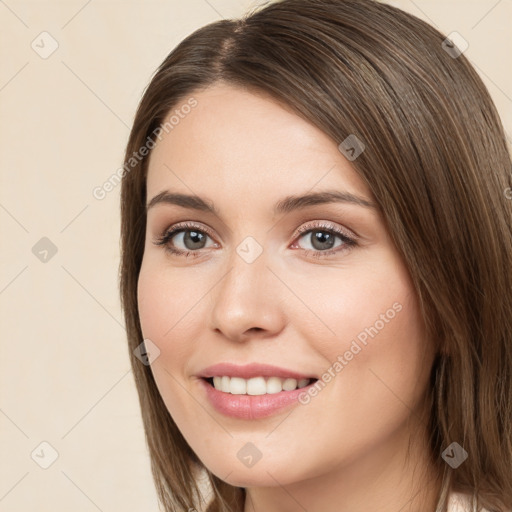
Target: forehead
235	143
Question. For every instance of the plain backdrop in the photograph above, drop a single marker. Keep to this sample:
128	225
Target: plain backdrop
72	73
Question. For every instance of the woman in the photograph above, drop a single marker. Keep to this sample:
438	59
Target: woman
316	267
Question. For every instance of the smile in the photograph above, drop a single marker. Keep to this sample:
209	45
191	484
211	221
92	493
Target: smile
258	405
256	385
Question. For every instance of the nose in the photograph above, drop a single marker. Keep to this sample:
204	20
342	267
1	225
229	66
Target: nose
246	302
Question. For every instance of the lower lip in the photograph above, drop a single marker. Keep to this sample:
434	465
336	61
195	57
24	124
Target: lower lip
251	407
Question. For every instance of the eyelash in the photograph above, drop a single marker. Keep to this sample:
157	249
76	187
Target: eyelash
348	242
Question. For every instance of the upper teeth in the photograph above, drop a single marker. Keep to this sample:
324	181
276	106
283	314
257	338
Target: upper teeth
256	385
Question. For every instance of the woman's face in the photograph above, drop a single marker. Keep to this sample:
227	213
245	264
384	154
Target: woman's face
332	301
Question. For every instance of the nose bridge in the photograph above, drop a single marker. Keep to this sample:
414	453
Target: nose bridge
246	295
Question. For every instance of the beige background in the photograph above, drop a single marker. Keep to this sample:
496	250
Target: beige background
65	377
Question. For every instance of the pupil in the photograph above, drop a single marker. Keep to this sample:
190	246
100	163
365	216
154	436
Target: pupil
322	237
195	239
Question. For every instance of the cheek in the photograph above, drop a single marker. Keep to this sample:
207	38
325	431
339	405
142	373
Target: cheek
149	305
377	370
166	304
387	359
383	359
377	358
168	317
370	301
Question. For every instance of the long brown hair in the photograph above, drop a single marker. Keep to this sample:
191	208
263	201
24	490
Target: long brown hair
437	162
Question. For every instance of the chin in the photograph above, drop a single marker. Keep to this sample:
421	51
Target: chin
259	475
249	478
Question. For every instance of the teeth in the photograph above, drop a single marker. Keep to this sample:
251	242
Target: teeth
257	385
224	385
238	386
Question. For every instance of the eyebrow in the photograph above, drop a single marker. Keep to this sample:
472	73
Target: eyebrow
285	205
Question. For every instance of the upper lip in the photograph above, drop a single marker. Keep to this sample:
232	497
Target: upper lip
251	370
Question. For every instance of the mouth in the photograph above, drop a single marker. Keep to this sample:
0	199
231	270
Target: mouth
255	390
256	397
256	385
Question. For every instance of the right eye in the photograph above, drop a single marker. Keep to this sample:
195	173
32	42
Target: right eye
189	235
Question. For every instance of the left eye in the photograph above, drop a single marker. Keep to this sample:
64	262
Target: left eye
322	239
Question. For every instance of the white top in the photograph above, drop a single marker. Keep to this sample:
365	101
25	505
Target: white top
459	502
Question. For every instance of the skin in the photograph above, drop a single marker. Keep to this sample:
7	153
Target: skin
345	450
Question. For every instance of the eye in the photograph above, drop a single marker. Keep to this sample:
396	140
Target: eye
185	234
322	237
